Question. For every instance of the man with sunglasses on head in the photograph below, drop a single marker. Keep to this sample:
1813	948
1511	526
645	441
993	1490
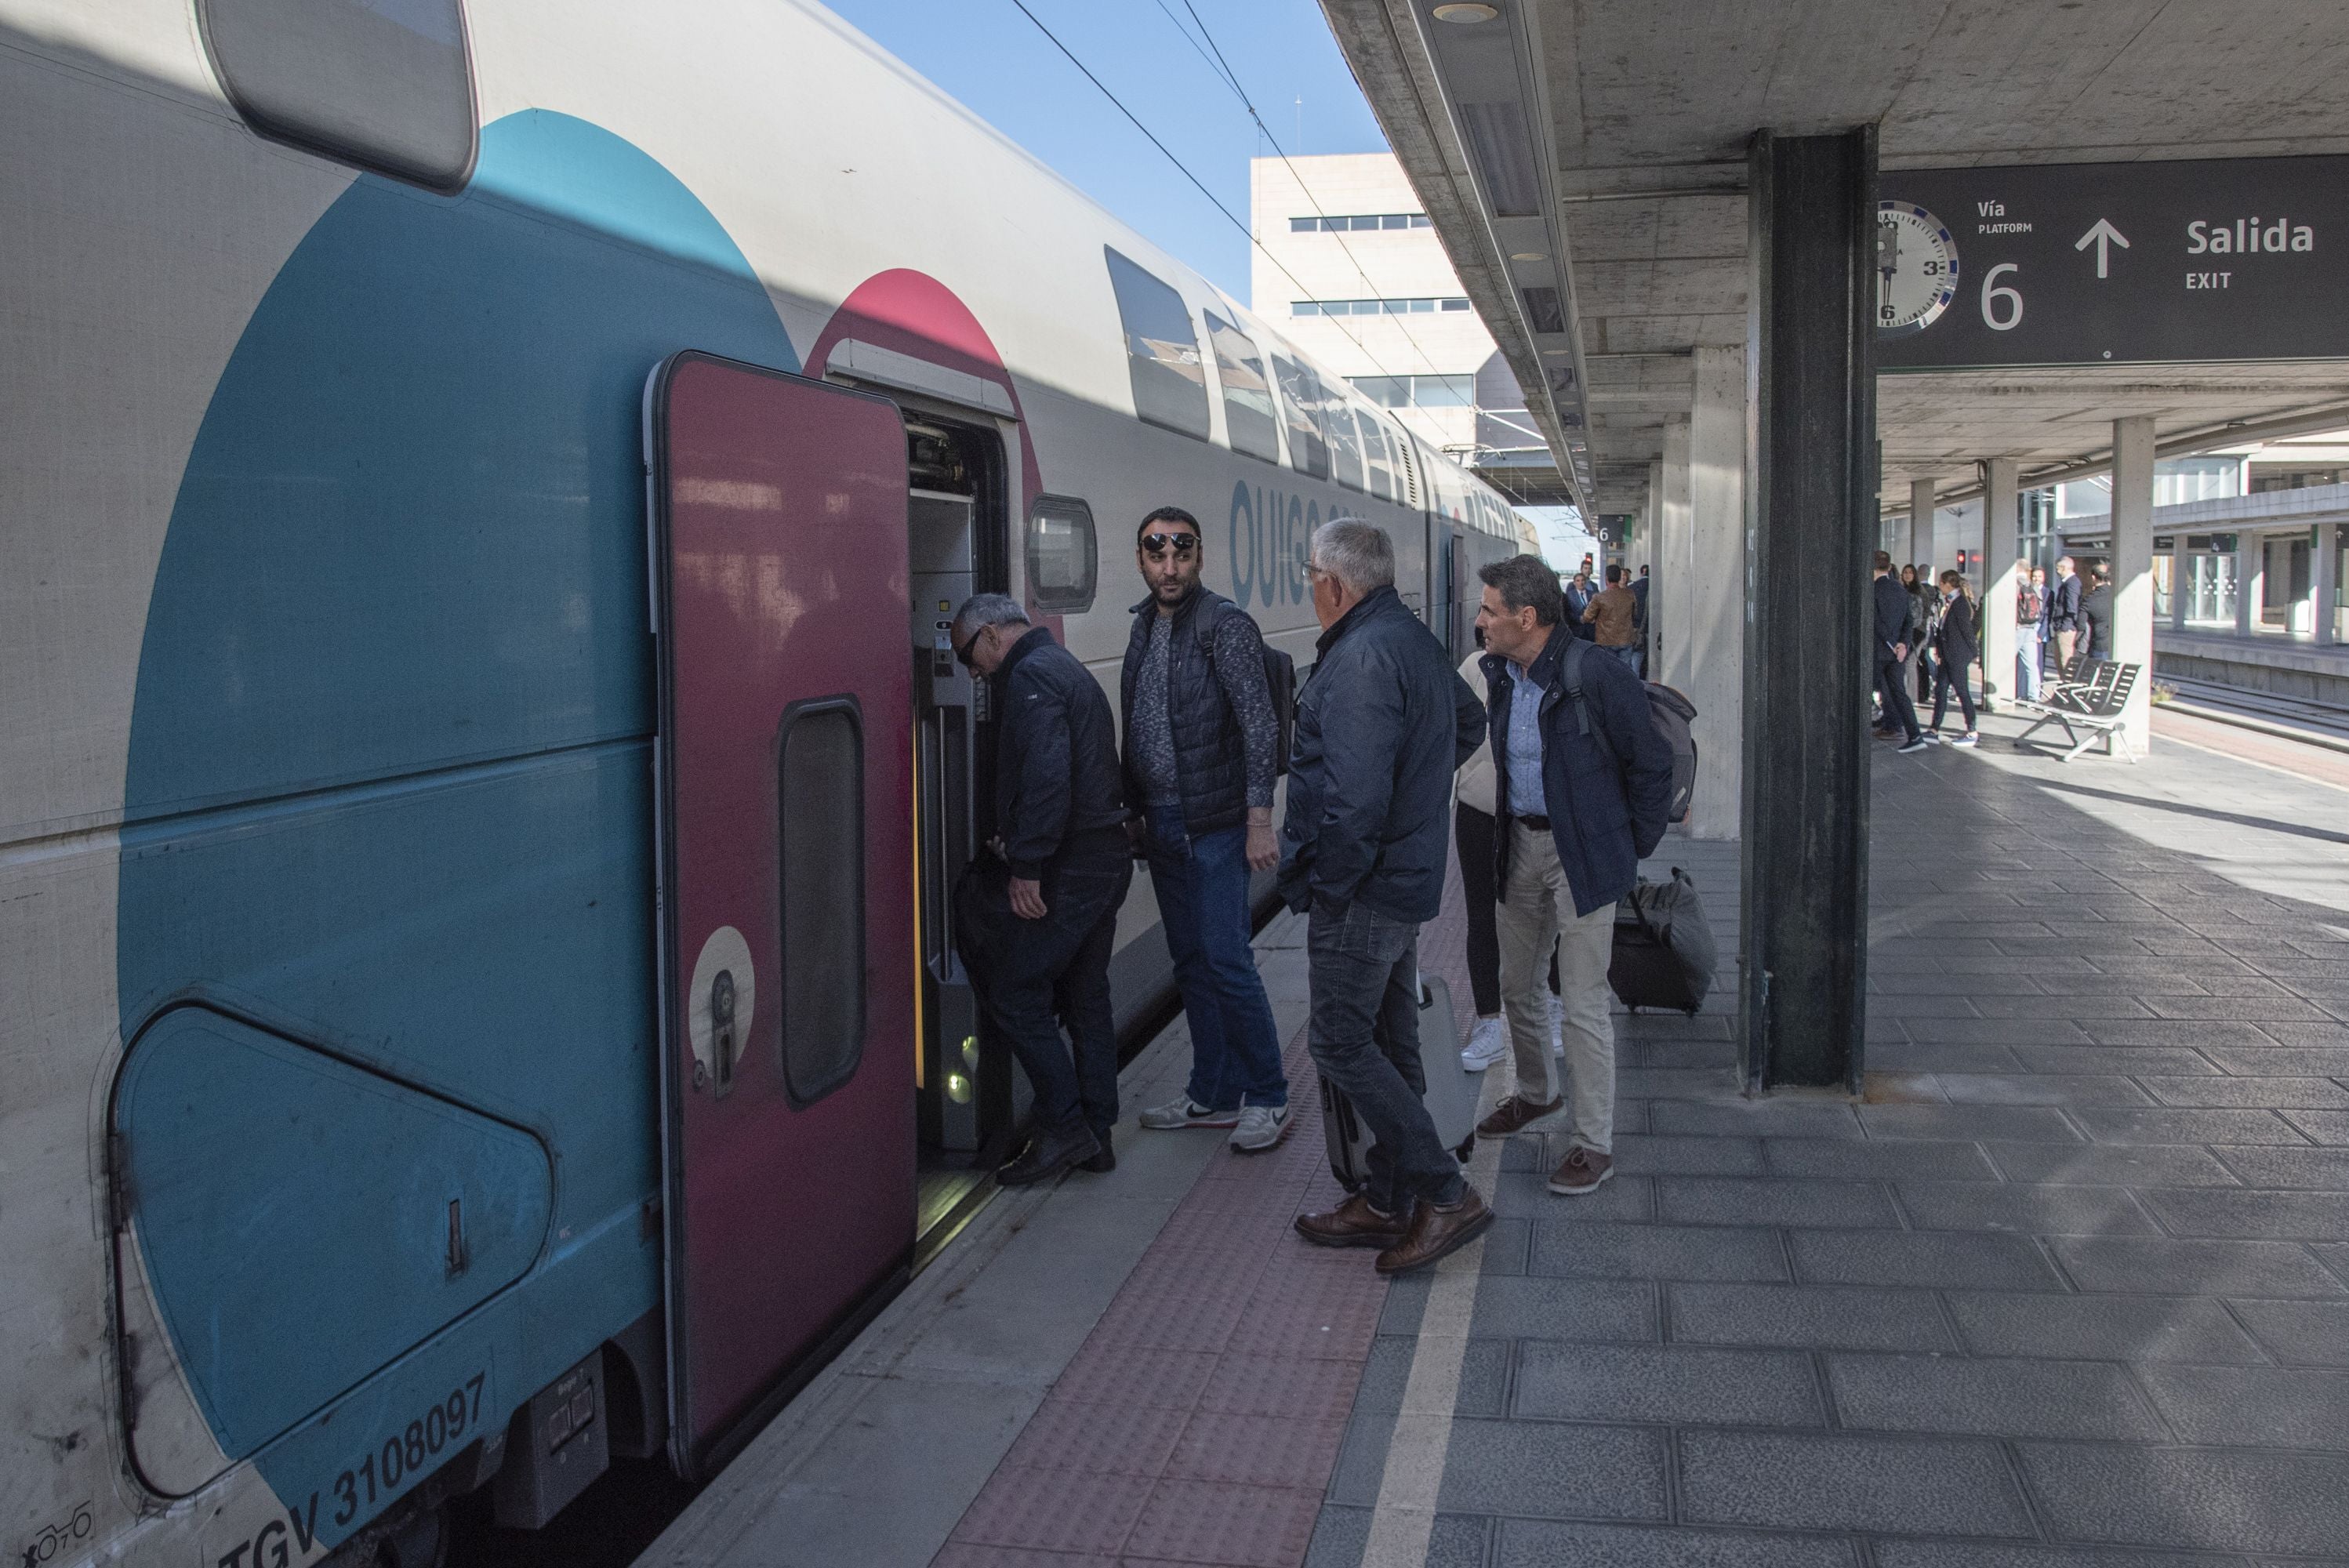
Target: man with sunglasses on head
1060	811
1202	750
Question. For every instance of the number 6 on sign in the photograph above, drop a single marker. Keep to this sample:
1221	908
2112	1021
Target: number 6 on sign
1990	295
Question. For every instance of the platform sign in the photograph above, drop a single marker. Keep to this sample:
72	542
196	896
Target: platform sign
2101	264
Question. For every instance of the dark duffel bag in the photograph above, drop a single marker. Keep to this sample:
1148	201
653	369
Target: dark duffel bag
1663	954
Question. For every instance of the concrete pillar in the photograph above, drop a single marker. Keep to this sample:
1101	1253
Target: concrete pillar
2250	572
1678	568
2002	577
1920	525
2132	564
1716	595
2181	581
1810	522
2327	576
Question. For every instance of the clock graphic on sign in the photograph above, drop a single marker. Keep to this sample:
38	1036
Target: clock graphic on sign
1916	269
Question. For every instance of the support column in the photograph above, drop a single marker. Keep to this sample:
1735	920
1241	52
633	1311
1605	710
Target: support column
2133	564
1810	520
2327	575
2251	571
1678	568
1921	526
1715	667
2002	577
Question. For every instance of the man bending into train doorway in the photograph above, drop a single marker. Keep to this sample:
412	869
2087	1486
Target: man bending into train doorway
1061	816
1202	750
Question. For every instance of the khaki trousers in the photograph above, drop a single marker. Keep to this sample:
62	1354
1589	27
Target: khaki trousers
1537	913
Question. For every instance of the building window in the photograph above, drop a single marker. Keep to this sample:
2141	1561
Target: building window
1359	222
1161	349
386	87
1248	414
1301	395
1417	307
820	844
1418	391
1063	560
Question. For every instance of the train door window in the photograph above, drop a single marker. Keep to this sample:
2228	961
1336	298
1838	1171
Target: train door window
1345	445
383	84
1161	349
1063	560
1374	455
820	788
1301	395
1248	395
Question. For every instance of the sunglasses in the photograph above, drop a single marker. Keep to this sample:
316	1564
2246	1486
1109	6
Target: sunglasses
962	655
1158	544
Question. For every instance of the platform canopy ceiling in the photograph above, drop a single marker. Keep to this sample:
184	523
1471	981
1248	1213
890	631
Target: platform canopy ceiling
1597	149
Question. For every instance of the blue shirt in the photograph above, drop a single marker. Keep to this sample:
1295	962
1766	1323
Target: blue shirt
1526	797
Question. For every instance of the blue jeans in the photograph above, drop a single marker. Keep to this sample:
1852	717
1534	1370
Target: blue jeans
1630	654
1203	899
2027	663
1363	1031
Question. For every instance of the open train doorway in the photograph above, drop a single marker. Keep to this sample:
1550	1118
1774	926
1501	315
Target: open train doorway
957	529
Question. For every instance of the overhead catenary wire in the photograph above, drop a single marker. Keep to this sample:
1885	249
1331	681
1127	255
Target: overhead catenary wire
1229	216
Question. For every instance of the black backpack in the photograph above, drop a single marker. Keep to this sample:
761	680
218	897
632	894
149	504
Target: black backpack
1668	710
1280	671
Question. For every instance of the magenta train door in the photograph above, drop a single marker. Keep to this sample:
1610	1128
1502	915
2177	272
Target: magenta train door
786	846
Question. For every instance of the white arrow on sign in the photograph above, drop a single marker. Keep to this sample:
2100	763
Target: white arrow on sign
2104	236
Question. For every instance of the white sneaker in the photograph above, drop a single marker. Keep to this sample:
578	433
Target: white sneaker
1488	1042
1186	1112
1260	1127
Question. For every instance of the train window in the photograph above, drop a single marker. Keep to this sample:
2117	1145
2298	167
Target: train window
1374	455
1309	439
383	84
1063	560
1345	446
820	778
1161	349
1248	396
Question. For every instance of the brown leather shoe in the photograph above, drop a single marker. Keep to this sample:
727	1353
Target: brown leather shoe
1353	1224
1437	1233
1515	1114
1582	1173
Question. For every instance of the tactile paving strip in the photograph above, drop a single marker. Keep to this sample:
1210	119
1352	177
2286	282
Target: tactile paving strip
1200	1422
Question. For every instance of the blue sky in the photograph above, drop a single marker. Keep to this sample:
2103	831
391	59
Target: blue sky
993	59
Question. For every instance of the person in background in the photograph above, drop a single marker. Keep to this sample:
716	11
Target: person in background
1919	579
1202	750
1382	727
2030	633
1579	592
1957	644
1611	615
2096	616
1583	782
2063	618
1062	809
1894	620
1473	828
1639	624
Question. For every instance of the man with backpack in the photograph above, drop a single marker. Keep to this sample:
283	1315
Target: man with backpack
1202	744
1584	786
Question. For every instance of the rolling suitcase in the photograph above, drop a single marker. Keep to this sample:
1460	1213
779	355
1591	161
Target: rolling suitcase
1451	1097
1663	953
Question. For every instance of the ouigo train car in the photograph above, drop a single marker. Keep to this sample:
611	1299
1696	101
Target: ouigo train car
479	766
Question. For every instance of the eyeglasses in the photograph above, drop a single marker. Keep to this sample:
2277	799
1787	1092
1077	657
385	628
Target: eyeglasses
962	655
1158	544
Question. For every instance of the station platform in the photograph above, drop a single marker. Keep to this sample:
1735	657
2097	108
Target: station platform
2067	1287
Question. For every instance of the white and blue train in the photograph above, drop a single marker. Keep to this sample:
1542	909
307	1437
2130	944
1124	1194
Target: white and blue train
477	774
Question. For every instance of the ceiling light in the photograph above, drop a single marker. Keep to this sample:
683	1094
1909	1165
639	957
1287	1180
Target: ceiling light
1558	353
1527	256
1466	11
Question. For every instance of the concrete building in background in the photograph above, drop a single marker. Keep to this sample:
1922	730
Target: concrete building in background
1351	271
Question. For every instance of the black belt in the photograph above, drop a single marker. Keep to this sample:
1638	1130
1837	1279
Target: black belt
1538	824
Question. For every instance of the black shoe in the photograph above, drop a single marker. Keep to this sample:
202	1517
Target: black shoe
1103	1163
1047	1155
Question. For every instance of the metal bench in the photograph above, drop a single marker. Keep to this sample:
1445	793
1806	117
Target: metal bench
2086	701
